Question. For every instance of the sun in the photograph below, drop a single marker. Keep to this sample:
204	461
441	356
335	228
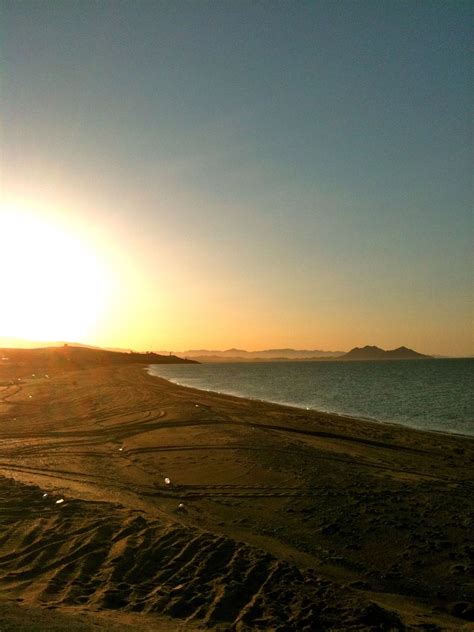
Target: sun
53	285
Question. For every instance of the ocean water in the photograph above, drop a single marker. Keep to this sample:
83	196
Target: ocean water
427	394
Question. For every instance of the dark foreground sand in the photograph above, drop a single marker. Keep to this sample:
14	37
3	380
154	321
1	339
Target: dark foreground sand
290	520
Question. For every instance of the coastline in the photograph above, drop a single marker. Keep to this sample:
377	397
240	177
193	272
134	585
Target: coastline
293	406
289	517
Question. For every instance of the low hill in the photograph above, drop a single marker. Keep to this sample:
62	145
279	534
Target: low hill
376	353
82	357
7	342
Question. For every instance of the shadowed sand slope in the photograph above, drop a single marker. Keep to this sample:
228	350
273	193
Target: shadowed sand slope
106	557
273	519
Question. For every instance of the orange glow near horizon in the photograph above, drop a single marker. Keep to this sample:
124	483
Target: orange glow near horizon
71	273
54	285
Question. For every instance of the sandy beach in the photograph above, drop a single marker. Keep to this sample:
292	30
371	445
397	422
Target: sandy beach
273	518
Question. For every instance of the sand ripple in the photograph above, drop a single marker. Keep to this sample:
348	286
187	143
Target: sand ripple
102	556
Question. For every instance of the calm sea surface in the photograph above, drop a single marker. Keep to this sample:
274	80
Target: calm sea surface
427	394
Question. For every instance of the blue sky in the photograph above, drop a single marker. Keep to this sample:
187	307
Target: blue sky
308	162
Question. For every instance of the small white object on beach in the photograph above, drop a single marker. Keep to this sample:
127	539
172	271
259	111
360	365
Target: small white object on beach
180	507
167	481
46	375
45	495
30	396
120	449
61	500
197	405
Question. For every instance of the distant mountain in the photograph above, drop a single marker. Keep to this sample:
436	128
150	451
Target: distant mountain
375	353
241	355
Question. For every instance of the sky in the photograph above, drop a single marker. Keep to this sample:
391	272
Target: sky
209	174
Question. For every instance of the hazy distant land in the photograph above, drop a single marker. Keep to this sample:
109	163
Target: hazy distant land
278	355
267	355
233	355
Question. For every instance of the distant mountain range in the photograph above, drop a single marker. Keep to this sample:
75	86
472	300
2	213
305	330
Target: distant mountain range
240	355
275	355
375	353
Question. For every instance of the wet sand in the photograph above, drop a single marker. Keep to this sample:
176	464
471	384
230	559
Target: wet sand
275	518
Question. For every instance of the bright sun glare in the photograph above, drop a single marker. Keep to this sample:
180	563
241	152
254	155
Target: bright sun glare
53	285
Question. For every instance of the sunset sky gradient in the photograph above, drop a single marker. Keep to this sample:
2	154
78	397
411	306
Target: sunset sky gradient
248	174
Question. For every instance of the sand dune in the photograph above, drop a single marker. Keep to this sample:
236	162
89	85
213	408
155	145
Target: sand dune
274	518
106	557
